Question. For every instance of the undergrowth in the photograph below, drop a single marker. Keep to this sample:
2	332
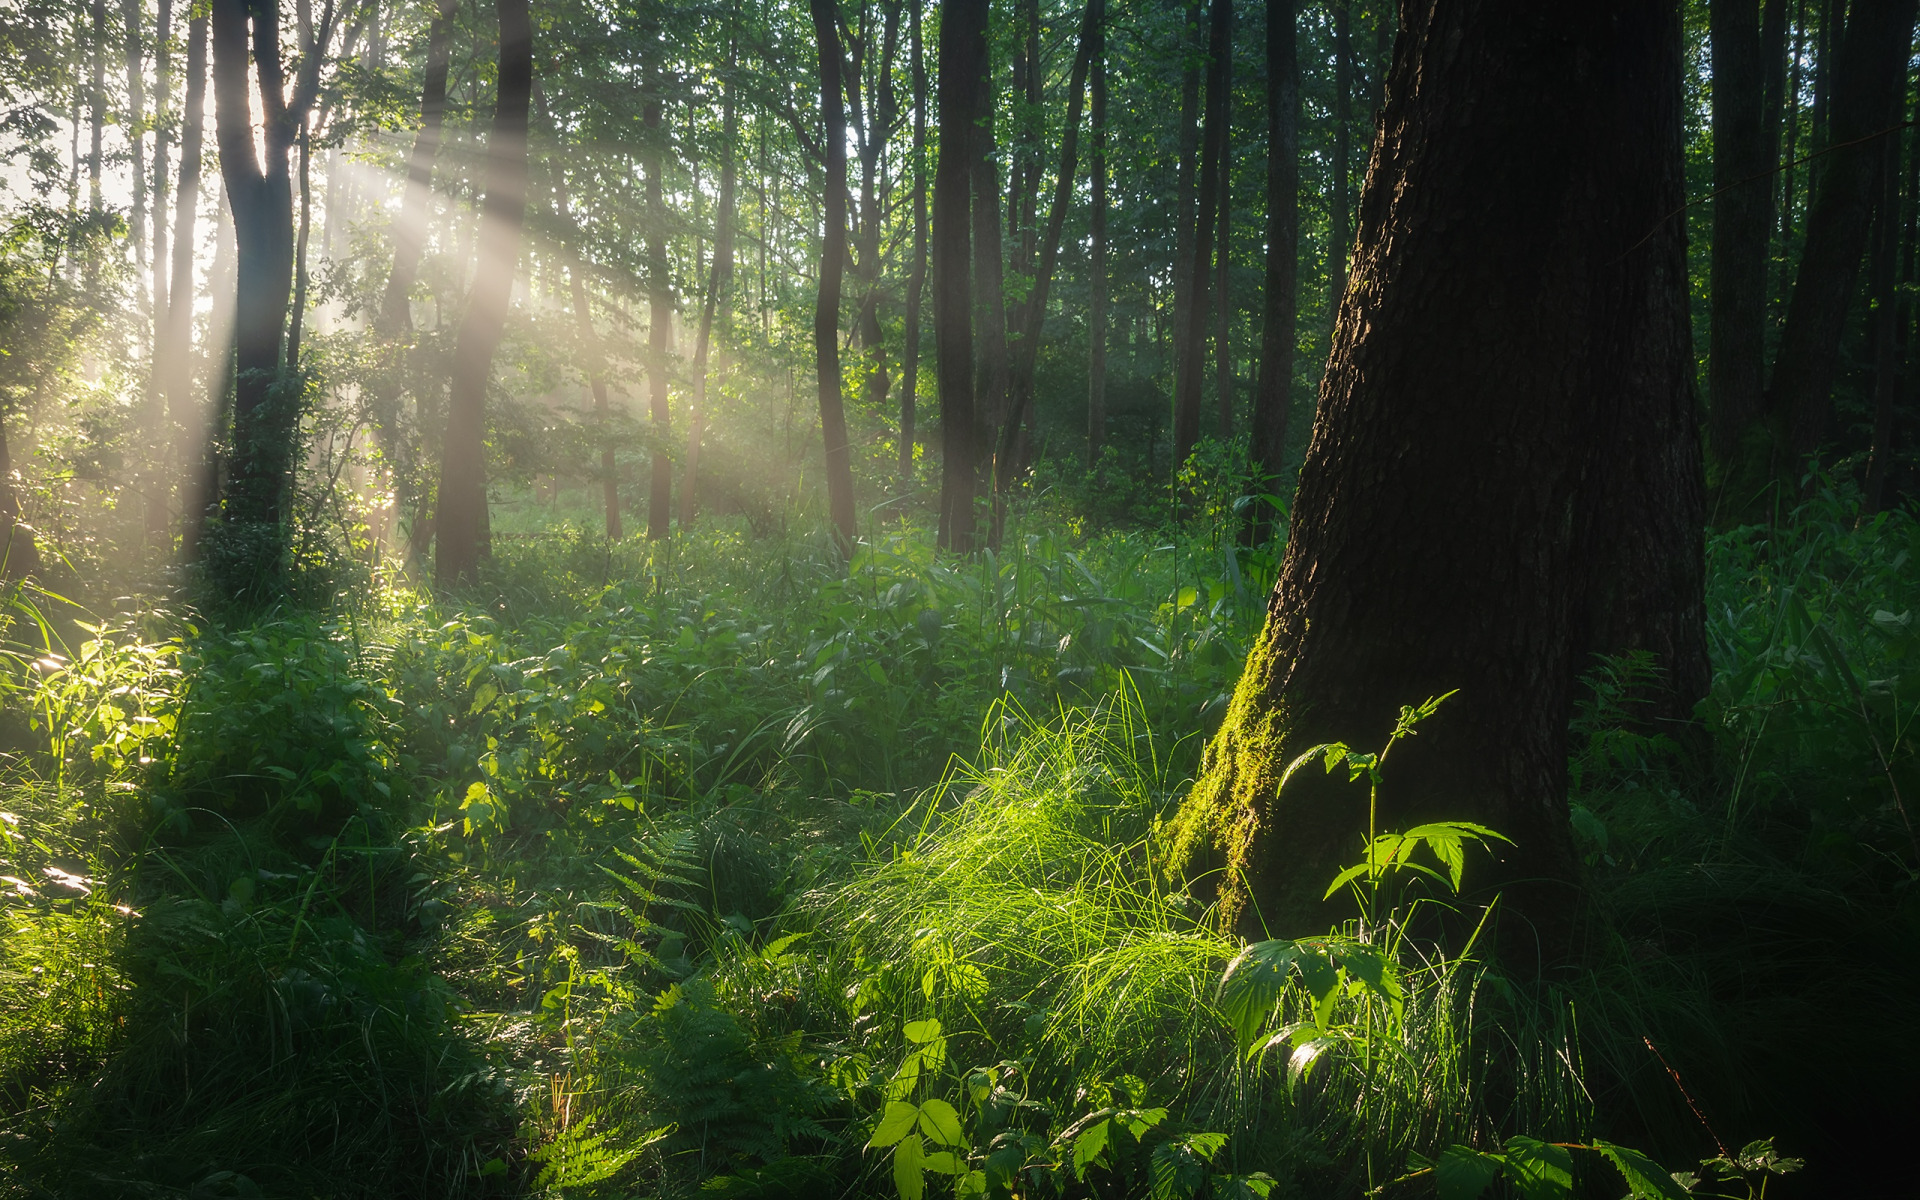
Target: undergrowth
648	869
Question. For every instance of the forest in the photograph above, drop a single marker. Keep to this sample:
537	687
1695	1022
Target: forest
1027	599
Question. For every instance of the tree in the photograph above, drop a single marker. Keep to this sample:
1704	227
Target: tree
833	257
719	281
461	528
1512	358
1866	93
659	319
1743	154
1278	323
963	67
917	280
1191	381
260	195
1097	240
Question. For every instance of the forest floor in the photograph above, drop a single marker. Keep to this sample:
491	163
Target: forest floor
706	866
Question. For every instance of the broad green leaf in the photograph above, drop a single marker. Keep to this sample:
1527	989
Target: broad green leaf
908	1179
973	1183
1463	1173
940	1123
895	1123
944	1162
904	1080
1252	983
1089	1146
1645	1179
1138	1121
1343	879
922	1031
1206	1145
1539	1170
1301	1061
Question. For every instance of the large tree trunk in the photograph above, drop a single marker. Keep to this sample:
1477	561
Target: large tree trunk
917	278
260	195
1097	240
178	339
1278	325
719	285
460	528
133	119
833	257
1191	381
963	64
659	328
1865	100
1504	477
1742	218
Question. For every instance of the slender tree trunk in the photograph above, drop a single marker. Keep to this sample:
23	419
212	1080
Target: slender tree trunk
1223	272
1279	322
1185	245
963	65
993	377
1097	241
1742	217
160	436
260	196
659	328
719	286
1026	350
461	524
1512	360
297	321
178	339
1342	244
917	279
19	555
1193	361
1881	276
1866	100
1023	198
97	104
410	229
1788	194
597	385
134	118
833	256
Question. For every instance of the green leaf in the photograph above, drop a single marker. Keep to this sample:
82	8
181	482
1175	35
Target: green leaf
939	1122
1463	1173
1645	1179
1301	1061
1252	983
908	1179
1089	1146
1539	1170
922	1031
1206	1145
1344	878
895	1123
944	1162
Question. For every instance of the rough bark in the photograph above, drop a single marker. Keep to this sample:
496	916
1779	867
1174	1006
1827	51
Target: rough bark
917	276
1279	320
1865	101
1191	380
460	525
833	255
1742	218
719	284
1097	240
963	63
1504	477
659	328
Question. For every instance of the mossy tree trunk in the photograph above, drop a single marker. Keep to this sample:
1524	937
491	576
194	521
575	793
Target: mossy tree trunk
1504	477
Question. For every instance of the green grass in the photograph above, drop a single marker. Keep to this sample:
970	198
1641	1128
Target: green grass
630	872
